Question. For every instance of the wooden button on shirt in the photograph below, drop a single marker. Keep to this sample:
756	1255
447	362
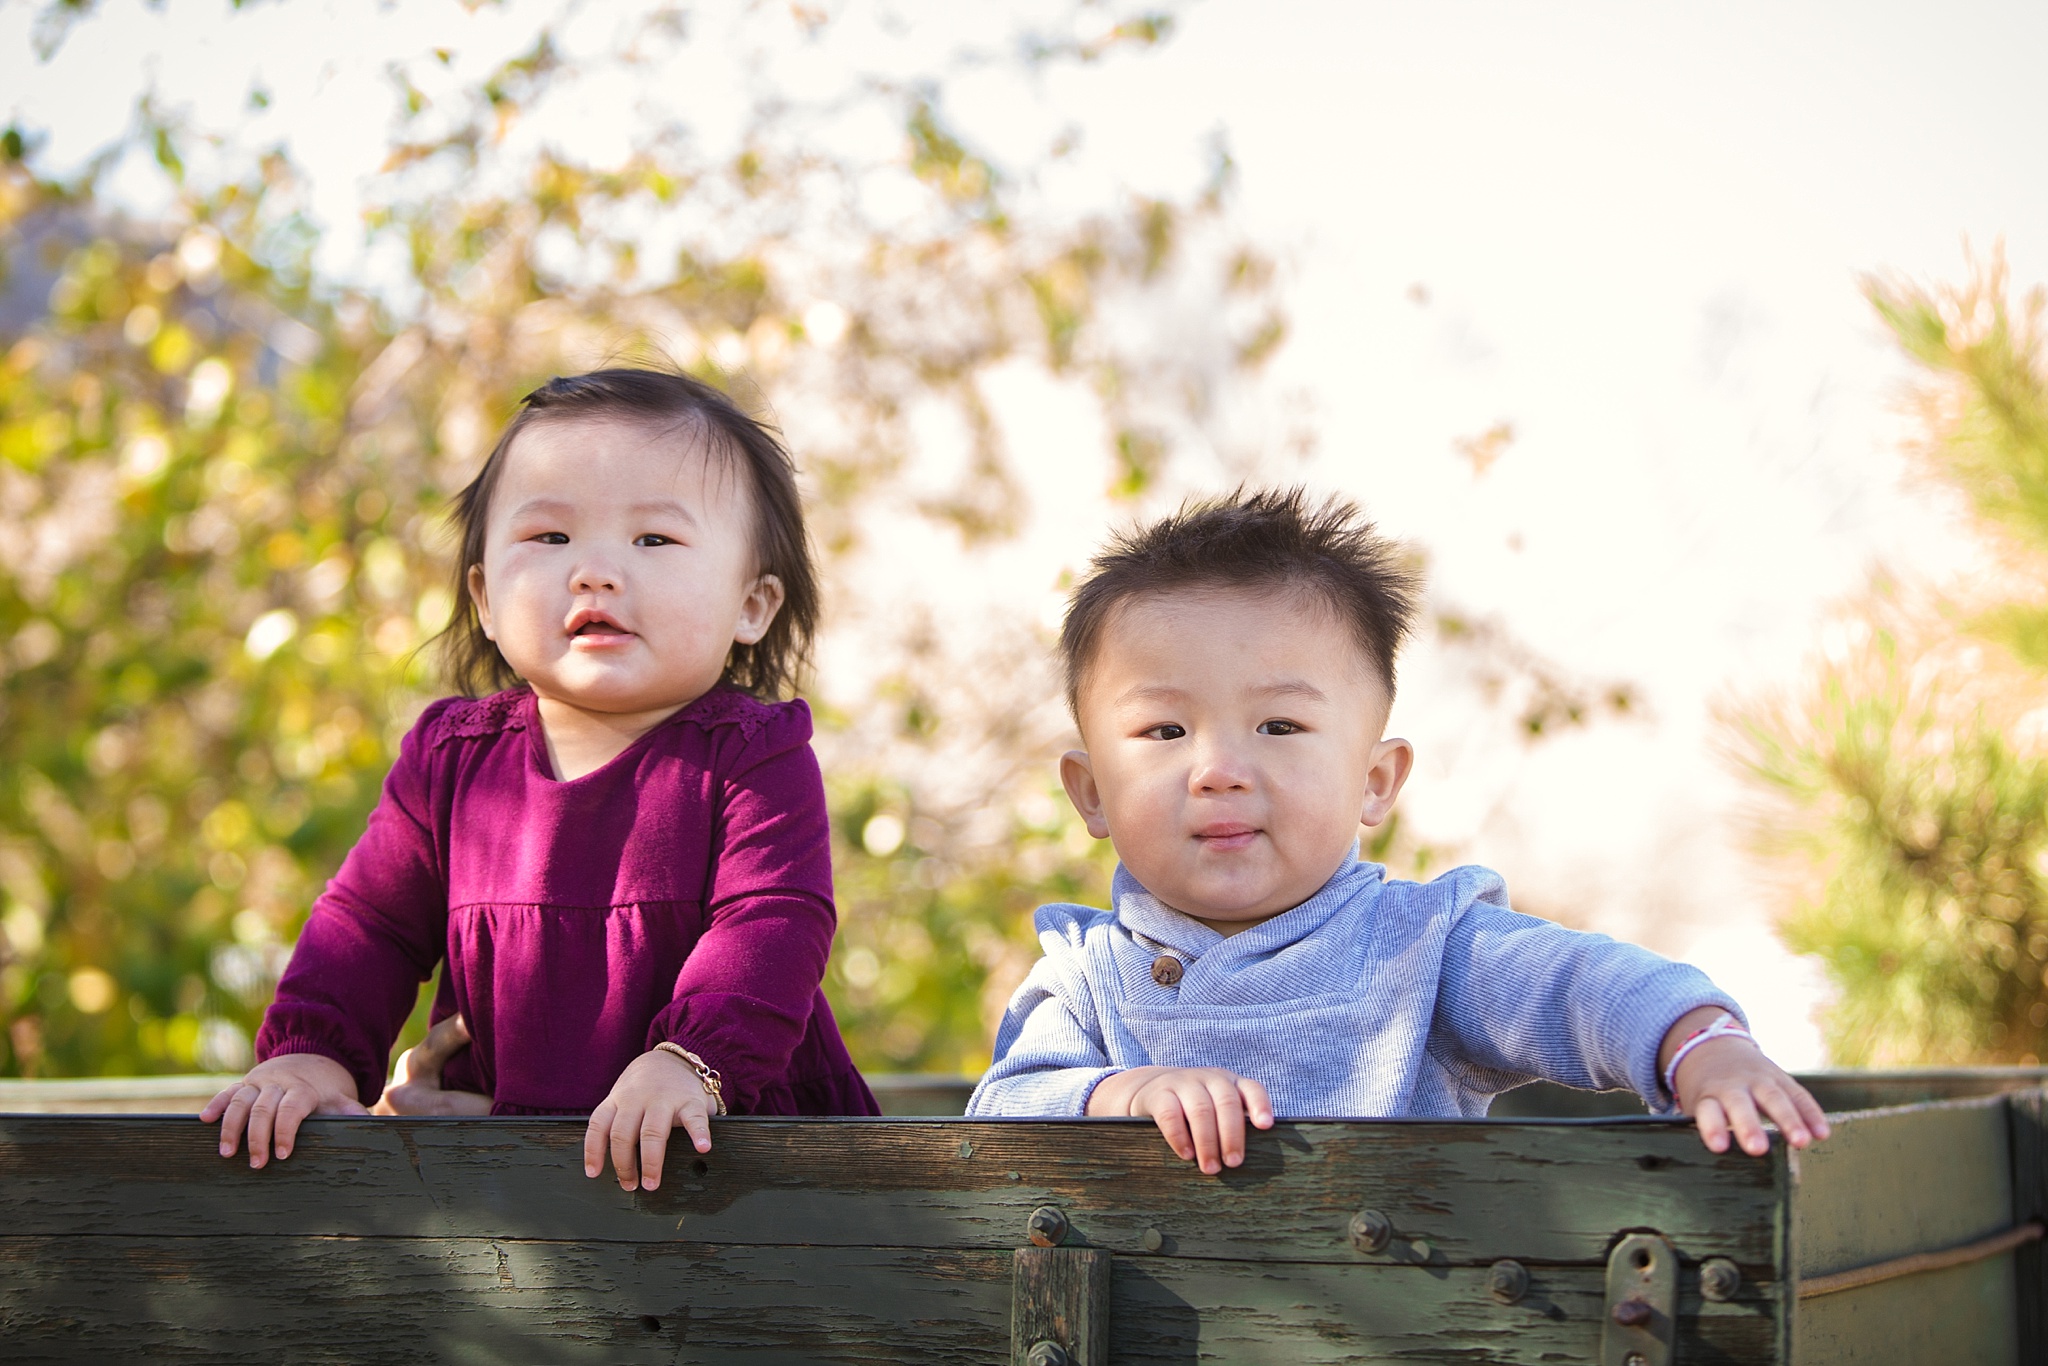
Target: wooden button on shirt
1166	970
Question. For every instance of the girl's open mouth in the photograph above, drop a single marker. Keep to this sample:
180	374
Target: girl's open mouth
595	628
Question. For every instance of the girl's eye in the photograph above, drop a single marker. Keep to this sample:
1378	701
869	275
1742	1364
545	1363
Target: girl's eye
553	538
1169	731
653	538
1279	728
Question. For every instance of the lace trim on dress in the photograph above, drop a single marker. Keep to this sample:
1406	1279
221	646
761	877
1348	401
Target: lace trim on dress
724	706
477	718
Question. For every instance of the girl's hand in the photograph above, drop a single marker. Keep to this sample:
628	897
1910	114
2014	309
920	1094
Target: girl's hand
1730	1088
1201	1111
415	1087
656	1092
275	1097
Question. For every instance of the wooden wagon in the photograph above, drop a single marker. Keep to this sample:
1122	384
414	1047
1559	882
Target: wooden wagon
1910	1236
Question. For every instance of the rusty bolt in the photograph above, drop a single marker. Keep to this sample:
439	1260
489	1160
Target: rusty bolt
1048	1353
1719	1279
1633	1314
1508	1281
1047	1226
1371	1231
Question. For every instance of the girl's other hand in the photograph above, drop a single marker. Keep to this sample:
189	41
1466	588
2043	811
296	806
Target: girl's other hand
415	1087
1201	1111
656	1092
1730	1089
276	1096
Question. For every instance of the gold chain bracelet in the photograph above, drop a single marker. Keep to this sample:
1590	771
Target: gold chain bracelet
706	1073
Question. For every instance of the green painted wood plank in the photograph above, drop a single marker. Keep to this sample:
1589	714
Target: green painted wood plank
2027	1121
1893	1182
1475	1192
1962	1315
369	1301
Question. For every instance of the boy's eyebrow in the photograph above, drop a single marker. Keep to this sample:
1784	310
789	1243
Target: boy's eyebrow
1292	687
1283	687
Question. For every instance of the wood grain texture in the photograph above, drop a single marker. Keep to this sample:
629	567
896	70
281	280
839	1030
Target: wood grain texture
1889	1183
1060	1295
2027	1122
1475	1192
1964	1314
371	1301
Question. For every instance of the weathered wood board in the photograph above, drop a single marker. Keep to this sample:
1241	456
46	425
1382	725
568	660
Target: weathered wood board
441	1240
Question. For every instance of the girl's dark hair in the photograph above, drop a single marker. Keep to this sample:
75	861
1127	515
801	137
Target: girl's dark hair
1268	540
663	398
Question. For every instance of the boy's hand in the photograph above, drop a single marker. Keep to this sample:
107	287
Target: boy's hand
1200	1110
275	1098
656	1092
1729	1087
415	1087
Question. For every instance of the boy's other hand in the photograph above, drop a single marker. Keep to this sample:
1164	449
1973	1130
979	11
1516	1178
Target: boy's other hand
1730	1088
272	1101
415	1087
656	1092
1201	1111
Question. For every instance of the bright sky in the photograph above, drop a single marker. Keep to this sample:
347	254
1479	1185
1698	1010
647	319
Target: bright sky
1636	231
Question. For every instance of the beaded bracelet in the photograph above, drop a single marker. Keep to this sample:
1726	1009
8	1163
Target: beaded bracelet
706	1073
1727	1027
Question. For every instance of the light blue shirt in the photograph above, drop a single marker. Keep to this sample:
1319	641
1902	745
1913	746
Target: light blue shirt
1371	998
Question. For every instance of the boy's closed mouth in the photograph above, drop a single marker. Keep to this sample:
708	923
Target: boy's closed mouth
590	627
1226	835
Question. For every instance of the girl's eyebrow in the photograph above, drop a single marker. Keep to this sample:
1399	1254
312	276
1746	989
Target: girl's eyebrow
556	507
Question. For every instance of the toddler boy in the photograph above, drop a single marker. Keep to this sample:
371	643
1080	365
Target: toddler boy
1231	670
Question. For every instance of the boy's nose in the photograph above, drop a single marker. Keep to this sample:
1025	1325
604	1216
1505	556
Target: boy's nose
1219	770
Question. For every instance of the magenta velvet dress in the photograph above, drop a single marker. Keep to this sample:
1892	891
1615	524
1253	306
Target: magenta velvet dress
681	892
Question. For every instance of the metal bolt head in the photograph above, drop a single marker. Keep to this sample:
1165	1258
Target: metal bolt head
1719	1279
1633	1313
1371	1231
1048	1353
1153	1240
1635	1359
1507	1281
1047	1226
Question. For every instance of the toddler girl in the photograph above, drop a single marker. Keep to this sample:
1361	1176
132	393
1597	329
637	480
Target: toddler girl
621	852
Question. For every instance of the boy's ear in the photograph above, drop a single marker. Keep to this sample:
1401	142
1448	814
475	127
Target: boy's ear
481	598
1079	779
1391	762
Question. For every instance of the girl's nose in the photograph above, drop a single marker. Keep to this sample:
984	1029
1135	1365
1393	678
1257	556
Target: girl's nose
594	578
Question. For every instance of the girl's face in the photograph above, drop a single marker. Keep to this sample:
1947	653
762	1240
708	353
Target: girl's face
619	566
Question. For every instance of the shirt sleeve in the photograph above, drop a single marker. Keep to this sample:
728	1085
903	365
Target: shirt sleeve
744	996
1522	999
374	935
1050	1054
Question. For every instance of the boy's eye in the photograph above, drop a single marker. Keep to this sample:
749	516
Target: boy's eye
1279	728
653	538
553	538
1169	731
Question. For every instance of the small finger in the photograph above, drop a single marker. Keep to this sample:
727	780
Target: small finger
1747	1124
597	1137
1173	1126
1257	1103
218	1106
1229	1122
1809	1109
654	1131
1778	1107
292	1107
698	1127
262	1117
626	1149
236	1120
1712	1122
1201	1113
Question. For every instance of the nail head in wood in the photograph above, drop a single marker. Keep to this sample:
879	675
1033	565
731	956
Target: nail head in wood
1371	1231
1047	1226
1507	1281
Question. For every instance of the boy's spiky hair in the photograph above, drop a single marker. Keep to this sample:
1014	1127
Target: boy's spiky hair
1264	540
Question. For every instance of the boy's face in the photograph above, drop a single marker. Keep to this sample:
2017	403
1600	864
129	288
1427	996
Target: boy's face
1234	746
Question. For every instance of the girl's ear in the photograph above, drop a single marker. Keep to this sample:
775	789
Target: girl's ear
1079	779
757	609
481	598
1391	762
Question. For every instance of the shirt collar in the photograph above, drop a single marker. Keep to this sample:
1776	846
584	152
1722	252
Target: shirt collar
1146	916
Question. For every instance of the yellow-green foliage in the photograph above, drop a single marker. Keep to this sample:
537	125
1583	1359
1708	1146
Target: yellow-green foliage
1916	766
